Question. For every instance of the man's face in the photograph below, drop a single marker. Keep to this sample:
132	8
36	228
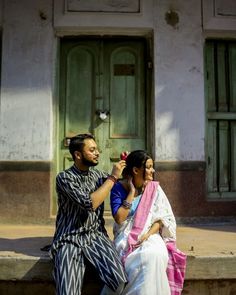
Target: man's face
90	153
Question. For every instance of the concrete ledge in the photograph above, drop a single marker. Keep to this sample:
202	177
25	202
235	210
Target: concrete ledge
26	268
211	268
40	268
211	260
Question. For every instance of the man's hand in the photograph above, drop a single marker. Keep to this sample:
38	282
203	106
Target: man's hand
118	168
103	191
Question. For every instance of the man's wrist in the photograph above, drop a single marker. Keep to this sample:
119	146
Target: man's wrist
112	178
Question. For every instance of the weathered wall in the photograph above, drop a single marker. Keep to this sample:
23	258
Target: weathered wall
186	190
179	82
30	31
26	111
28	66
25	192
26	81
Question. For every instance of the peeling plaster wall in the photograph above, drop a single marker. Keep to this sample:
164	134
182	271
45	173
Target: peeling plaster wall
179	81
28	63
26	86
31	31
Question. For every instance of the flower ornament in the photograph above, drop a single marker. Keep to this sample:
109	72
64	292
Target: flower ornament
124	155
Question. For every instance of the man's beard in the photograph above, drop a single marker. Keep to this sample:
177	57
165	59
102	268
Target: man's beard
87	162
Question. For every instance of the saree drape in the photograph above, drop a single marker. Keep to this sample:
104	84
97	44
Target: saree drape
161	266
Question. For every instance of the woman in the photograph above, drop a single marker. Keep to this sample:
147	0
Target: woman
144	224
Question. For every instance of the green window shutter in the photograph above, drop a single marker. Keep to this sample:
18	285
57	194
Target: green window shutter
233	156
220	92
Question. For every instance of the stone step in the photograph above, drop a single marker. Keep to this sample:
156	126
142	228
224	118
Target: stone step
211	257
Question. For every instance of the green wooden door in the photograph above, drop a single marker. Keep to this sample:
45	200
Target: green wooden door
102	78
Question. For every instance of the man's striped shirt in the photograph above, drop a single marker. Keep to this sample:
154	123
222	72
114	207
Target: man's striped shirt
76	221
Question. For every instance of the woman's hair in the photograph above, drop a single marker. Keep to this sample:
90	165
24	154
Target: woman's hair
77	143
137	159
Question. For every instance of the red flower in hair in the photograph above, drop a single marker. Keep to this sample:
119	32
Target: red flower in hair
124	155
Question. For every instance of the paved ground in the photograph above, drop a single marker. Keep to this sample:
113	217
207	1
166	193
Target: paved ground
197	240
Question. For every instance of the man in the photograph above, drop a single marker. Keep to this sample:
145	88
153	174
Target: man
80	233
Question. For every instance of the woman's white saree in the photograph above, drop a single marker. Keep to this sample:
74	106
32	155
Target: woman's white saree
146	265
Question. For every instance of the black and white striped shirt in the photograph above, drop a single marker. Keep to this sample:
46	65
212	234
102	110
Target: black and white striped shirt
76	221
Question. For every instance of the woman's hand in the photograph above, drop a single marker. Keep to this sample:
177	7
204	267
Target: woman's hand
142	239
155	228
131	186
123	212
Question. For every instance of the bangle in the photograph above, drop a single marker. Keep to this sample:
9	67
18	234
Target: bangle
112	178
126	204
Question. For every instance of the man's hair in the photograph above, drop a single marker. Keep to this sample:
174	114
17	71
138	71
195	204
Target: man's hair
77	143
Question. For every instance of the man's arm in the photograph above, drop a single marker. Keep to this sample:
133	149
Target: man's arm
103	191
67	185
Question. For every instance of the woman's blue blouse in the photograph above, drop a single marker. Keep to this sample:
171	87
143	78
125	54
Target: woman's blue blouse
118	195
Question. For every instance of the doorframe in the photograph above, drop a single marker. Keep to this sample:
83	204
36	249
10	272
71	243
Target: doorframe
149	91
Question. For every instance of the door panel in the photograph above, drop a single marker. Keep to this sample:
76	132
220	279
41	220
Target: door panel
77	87
102	75
78	94
122	105
125	70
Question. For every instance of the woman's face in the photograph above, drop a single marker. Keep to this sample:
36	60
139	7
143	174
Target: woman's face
149	170
144	174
